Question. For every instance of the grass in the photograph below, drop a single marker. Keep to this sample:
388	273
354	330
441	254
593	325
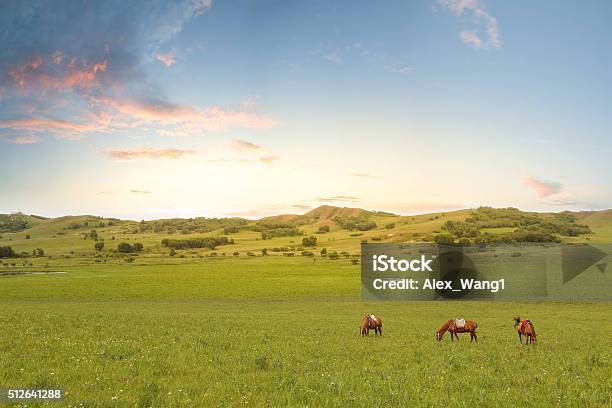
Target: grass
279	331
197	330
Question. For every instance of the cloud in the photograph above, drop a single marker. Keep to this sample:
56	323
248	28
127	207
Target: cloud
264	160
186	119
365	175
140	192
481	22
243	145
25	139
337	198
561	201
166	59
469	37
64	129
146	153
543	188
399	69
333	57
89	77
268	159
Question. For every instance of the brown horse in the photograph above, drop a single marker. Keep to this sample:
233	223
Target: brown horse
525	328
451	326
370	322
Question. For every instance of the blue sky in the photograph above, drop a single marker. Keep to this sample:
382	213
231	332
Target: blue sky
251	108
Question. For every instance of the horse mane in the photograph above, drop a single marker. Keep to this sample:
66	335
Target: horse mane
444	326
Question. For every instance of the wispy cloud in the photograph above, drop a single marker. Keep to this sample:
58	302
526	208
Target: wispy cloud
25	139
543	188
337	198
63	129
264	160
469	37
167	59
399	69
243	145
269	159
146	153
140	192
333	56
483	31
365	175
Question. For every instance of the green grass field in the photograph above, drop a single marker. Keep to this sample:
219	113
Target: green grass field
206	328
277	331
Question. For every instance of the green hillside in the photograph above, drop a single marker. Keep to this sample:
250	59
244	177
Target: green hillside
335	229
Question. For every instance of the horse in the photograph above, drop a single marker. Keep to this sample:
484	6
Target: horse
369	322
451	326
525	328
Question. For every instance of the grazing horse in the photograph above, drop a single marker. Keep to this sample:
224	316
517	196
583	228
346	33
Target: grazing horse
370	322
453	328
525	328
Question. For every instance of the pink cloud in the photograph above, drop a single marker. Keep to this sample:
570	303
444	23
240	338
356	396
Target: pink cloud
188	119
166	59
243	145
27	139
62	128
543	188
269	159
146	153
75	74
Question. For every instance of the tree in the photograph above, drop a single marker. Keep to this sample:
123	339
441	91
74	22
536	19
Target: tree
38	252
99	245
27	236
444	239
309	241
172	252
236	253
323	251
264	252
137	247
390	225
323	229
6	252
124	247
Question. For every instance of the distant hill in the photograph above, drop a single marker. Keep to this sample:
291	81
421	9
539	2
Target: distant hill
339	229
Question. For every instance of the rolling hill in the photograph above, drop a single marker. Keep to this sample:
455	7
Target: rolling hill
337	229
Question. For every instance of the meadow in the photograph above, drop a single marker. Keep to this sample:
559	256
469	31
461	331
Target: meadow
279	331
231	326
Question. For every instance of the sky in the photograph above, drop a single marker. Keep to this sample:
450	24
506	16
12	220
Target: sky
151	109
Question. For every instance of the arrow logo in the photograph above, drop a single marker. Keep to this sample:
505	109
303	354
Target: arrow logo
578	258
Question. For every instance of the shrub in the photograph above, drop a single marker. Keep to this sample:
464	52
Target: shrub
309	242
6	252
99	245
323	229
444	239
